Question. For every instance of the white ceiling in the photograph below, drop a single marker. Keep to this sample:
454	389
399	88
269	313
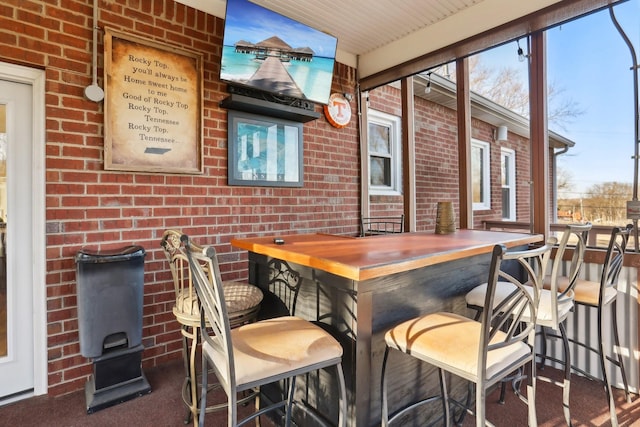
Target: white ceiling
374	35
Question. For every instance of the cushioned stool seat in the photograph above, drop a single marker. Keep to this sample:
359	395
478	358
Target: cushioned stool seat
585	292
272	347
454	338
243	303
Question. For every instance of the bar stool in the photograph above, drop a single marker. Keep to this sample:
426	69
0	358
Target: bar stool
243	303
372	226
482	353
599	296
554	307
259	353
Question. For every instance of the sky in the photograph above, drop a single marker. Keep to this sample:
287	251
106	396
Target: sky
589	60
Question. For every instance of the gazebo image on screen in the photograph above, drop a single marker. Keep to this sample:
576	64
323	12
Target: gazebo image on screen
270	52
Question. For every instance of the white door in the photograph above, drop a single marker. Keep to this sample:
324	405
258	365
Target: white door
16	252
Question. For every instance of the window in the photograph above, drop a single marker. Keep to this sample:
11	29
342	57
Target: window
480	177
384	153
508	168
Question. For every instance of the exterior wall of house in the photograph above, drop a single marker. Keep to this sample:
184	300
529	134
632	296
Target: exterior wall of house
437	178
88	207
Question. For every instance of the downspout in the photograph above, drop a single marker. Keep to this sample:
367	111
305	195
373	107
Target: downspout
555	182
634	68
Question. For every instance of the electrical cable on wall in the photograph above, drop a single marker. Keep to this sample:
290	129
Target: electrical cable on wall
94	92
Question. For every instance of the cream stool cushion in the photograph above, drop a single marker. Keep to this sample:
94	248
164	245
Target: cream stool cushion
272	347
585	292
454	341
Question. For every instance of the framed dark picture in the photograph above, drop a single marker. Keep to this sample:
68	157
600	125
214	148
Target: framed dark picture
264	151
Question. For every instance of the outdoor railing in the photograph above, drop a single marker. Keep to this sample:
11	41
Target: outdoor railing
598	236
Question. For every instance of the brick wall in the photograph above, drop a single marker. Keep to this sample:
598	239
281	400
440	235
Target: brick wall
87	207
436	161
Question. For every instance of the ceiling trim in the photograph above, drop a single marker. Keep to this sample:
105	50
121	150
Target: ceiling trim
537	21
479	18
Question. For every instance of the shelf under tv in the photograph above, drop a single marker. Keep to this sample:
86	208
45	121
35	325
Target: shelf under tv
256	102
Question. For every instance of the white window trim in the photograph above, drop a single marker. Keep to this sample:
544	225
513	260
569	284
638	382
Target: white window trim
393	122
511	154
486	159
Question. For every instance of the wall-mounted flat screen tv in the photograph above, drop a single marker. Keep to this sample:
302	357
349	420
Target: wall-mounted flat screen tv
270	52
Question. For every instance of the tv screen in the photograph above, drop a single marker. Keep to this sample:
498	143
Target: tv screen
270	52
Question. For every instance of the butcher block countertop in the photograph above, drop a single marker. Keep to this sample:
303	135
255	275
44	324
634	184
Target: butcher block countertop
362	258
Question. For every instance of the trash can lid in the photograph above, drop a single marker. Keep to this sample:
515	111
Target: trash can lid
110	255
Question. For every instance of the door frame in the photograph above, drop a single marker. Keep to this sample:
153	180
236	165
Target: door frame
36	78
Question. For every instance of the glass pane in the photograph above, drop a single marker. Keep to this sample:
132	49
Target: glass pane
476	175
499	80
505	170
3	210
506	203
590	176
379	139
380	170
265	152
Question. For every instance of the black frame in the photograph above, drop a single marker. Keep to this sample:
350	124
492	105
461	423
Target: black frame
284	154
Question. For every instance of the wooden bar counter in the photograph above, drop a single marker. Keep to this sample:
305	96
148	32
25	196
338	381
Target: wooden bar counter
360	287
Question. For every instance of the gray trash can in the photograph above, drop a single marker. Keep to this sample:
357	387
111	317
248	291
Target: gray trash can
110	289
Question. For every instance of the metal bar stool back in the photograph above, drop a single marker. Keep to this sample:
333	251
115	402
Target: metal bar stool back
370	226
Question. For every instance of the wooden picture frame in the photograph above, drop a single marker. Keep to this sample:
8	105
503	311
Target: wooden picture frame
153	106
264	151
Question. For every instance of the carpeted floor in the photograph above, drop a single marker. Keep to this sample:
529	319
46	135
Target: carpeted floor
163	407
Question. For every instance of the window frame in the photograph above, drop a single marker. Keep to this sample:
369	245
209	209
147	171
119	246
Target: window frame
393	123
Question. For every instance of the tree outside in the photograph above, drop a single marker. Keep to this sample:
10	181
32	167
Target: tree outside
602	204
